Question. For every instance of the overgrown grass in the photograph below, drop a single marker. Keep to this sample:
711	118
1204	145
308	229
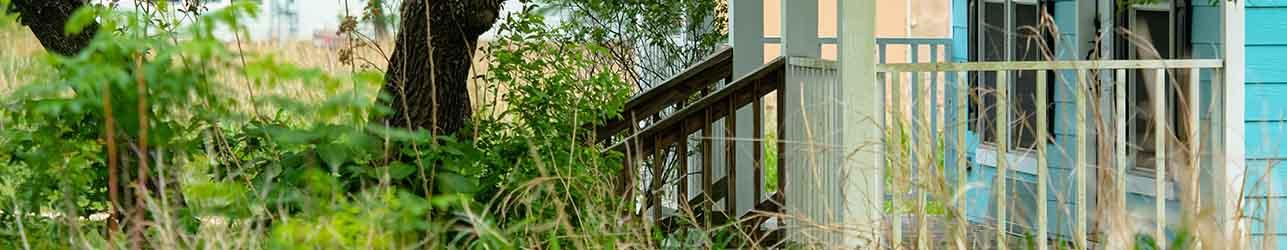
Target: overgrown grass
19	52
257	149
305	167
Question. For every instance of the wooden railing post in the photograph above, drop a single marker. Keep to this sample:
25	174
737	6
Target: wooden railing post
730	155
757	143
1079	164
1003	147
1159	157
925	160
963	120
1195	151
1043	174
1120	121
658	170
707	164
896	151
681	192
782	171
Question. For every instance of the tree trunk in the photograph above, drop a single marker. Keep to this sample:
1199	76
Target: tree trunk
428	72
47	20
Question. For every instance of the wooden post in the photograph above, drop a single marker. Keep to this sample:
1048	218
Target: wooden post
861	132
962	88
896	151
1079	164
730	153
707	166
757	145
800	39
1003	146
747	32
1233	168
658	178
1043	174
800	30
1159	158
1195	151
681	193
1120	149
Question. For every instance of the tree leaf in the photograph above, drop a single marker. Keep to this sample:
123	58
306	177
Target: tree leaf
333	154
398	170
80	19
450	182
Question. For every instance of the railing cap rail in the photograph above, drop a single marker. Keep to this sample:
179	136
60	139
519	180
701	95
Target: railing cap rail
651	101
705	102
1051	65
810	62
914	41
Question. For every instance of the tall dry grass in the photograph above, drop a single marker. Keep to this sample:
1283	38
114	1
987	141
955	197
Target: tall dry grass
1116	225
19	51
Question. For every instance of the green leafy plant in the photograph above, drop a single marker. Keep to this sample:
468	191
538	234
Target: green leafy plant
293	172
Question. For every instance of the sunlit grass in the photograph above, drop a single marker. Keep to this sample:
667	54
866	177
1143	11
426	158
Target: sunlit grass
19	52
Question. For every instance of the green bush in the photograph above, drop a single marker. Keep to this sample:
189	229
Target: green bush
281	171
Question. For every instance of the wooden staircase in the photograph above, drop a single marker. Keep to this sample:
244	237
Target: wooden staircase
657	125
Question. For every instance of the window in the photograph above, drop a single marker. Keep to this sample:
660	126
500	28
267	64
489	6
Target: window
1152	31
989	41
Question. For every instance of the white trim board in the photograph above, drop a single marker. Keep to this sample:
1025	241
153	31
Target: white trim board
1233	22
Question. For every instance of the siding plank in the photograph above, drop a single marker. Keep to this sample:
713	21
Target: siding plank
1265	26
1266	102
1258	195
1265	63
1255	4
1265	140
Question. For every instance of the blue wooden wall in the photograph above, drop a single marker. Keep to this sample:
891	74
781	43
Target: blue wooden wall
1266	116
979	199
1266	107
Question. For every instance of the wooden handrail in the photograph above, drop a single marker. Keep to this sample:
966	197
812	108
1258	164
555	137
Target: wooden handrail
770	75
700	76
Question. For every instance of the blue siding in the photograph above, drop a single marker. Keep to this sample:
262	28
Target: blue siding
1261	4
1266	112
1265	62
959	53
960	31
1266	95
1266	194
979	198
1266	26
1265	140
1061	152
1266	102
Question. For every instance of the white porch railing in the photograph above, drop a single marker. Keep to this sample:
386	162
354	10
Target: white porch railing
1089	94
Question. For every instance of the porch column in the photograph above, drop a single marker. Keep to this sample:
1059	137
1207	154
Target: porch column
1233	170
809	137
800	29
747	31
862	172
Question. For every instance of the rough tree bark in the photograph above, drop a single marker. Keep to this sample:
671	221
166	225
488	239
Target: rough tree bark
47	19
428	72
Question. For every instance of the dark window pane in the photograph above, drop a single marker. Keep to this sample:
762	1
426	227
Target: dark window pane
1154	26
1025	45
